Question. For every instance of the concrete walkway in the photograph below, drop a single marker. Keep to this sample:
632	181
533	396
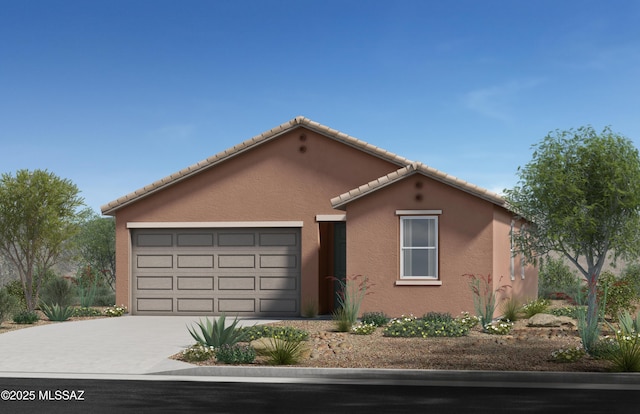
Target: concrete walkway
121	345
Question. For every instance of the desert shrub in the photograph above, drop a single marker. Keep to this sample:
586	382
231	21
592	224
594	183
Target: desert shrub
620	294
57	291
499	327
8	305
115	311
375	318
14	288
568	354
363	328
84	312
435	325
535	306
511	309
215	333
25	318
105	296
197	353
282	352
437	317
603	348
287	333
87	294
570	311
350	294
56	312
631	274
626	356
468	321
235	354
554	277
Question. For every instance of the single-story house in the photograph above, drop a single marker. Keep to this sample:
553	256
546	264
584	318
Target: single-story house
259	229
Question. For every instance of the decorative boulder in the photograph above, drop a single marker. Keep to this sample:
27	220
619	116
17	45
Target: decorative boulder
545	320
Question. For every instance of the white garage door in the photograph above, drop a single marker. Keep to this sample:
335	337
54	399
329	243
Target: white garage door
209	271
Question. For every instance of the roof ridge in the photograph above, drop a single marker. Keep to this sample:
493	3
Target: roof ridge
270	134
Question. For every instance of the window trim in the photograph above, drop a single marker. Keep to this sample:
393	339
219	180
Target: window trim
420	280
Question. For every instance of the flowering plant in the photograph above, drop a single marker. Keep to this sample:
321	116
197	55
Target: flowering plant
115	311
568	354
364	328
499	327
535	306
350	294
485	296
198	352
467	320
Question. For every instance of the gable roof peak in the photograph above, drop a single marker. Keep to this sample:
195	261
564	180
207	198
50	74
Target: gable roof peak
411	168
297	122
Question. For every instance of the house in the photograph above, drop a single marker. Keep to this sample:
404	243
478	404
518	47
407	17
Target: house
257	230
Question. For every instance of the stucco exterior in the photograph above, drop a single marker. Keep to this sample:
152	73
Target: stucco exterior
293	174
473	239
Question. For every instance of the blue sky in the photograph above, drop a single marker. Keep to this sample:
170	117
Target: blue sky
116	94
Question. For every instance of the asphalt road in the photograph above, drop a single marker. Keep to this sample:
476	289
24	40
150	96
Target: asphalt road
254	395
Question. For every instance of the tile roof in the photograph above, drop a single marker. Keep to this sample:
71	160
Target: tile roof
342	200
407	168
300	121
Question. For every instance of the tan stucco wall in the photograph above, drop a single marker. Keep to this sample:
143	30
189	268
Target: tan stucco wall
521	289
273	182
465	246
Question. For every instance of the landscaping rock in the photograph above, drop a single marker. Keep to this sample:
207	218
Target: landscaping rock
545	320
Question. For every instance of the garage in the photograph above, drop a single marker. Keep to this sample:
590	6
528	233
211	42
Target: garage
202	271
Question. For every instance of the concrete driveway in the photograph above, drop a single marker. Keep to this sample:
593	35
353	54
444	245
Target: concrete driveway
120	345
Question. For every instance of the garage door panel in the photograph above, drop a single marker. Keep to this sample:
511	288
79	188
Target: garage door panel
237	305
195	283
278	305
195	240
280	261
236	261
278	239
278	283
210	271
236	239
236	283
154	282
154	304
155	261
195	305
154	240
195	261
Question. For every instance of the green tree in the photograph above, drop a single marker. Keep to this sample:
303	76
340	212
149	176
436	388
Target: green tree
97	247
39	215
581	194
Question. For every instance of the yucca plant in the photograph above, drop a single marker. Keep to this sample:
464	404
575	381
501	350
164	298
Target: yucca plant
56	312
215	333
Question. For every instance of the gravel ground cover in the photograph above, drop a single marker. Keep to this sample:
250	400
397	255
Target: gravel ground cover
524	349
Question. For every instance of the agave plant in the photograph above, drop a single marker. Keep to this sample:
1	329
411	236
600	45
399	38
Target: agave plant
215	333
56	312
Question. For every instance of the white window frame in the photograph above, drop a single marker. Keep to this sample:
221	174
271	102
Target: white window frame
435	277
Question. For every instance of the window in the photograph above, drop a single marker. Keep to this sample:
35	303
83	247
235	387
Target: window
419	247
